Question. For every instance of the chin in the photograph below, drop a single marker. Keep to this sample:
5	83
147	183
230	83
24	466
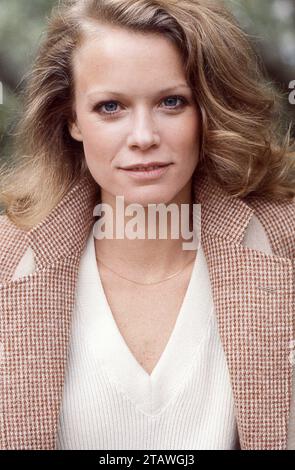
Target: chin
145	199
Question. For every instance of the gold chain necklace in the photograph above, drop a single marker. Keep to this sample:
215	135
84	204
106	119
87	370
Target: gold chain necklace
145	283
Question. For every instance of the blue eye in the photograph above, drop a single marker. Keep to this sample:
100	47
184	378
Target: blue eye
110	105
111	111
174	98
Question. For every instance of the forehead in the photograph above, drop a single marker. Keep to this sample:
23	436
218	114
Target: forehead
116	57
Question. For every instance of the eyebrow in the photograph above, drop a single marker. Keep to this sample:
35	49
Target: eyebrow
117	93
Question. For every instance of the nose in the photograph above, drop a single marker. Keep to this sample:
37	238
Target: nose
143	133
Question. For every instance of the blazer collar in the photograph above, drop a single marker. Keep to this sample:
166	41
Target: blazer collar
62	232
65	229
222	215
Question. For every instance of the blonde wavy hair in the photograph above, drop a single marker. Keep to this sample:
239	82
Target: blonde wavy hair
245	148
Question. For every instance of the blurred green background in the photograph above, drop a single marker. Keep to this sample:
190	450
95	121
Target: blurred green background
270	23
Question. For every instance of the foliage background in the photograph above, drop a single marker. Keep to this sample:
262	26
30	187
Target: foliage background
270	24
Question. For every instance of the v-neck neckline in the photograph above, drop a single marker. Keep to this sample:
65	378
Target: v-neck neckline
150	392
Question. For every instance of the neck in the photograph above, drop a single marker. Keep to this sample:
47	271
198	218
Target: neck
148	257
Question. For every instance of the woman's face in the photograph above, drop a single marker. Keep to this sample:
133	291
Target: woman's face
133	105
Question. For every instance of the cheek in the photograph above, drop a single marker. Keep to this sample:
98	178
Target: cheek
187	137
193	128
194	133
96	144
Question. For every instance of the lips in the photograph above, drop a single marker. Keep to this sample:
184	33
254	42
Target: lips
147	173
146	167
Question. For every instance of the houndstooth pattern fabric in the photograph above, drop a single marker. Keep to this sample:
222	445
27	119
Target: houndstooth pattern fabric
253	293
13	243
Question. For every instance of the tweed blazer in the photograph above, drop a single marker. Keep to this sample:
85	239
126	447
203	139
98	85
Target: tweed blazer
254	299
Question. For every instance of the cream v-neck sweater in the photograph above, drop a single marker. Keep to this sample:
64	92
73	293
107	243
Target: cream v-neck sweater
109	401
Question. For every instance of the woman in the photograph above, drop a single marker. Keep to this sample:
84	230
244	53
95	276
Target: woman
137	343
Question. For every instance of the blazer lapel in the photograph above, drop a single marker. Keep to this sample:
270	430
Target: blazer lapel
35	318
253	296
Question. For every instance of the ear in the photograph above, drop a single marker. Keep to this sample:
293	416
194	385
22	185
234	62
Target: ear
75	131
